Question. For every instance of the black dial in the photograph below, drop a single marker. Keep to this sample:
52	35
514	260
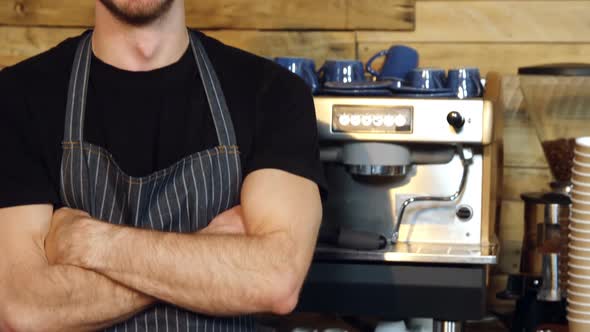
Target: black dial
456	120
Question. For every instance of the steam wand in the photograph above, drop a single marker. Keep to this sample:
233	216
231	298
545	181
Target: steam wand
465	162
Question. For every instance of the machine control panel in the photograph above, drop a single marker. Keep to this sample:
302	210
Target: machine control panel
372	119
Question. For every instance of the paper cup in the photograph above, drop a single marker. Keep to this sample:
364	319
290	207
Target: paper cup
579	234
578	225
580	166
579	310
579	216
578	251
579	271
580	195
580	176
578	260
581	205
576	304
581	186
583	144
577	316
578	297
580	170
578	325
581	158
577	287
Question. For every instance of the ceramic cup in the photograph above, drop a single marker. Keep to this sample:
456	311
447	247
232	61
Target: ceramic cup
399	60
343	71
304	68
465	82
426	78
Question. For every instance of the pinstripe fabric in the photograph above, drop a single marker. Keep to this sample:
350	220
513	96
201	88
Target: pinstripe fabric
181	198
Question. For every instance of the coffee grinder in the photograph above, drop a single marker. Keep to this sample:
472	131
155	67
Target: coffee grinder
558	102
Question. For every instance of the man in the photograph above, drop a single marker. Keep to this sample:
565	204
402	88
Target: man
122	204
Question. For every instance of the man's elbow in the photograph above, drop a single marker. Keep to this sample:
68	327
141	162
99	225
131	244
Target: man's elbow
285	293
17	317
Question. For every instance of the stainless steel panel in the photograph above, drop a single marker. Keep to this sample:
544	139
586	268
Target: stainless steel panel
371	203
429	123
419	253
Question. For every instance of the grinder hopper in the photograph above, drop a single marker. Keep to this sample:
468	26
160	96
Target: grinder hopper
558	102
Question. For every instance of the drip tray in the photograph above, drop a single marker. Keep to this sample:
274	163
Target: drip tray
434	253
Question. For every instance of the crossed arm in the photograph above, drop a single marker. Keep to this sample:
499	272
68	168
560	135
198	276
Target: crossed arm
250	259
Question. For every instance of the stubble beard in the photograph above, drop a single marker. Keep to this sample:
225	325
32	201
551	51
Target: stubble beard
138	13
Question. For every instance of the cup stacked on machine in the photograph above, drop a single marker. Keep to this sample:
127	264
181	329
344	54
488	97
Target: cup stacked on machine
579	240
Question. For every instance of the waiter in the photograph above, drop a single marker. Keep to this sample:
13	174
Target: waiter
153	179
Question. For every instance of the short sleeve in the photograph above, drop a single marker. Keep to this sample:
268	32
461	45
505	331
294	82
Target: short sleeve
24	178
286	131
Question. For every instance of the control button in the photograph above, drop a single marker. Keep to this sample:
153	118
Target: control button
355	120
388	121
367	120
464	213
400	120
456	120
377	120
344	120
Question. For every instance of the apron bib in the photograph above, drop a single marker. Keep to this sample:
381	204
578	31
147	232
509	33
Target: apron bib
184	197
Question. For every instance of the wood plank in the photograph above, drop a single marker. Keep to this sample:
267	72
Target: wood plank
504	58
19	43
494	21
510	235
317	45
233	14
380	14
519	180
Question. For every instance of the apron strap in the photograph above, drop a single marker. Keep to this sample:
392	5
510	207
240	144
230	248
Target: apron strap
77	91
215	97
76	104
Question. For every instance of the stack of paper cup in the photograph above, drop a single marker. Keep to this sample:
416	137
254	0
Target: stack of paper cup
579	240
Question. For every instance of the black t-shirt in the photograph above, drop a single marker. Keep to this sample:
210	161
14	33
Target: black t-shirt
149	120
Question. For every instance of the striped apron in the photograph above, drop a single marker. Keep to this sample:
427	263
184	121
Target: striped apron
184	197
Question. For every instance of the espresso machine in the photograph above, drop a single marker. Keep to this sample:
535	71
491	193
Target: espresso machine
409	223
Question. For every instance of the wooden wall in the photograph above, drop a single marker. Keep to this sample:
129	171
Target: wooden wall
498	35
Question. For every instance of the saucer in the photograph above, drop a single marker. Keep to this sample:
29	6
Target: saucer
356	92
358	85
409	89
426	95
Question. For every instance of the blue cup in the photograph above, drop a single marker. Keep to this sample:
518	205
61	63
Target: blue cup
465	82
343	71
304	68
426	78
399	60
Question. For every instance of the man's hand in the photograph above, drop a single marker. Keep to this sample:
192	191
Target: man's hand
62	242
230	222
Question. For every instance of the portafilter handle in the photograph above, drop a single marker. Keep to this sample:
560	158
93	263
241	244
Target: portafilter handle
466	162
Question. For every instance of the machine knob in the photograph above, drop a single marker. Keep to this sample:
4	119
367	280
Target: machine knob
456	120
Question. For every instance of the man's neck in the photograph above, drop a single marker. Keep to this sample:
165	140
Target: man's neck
143	48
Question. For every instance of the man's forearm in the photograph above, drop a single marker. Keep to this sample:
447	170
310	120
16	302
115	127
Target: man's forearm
211	274
67	298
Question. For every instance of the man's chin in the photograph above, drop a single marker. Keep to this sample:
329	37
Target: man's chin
137	13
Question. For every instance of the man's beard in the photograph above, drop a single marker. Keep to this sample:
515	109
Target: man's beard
137	13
